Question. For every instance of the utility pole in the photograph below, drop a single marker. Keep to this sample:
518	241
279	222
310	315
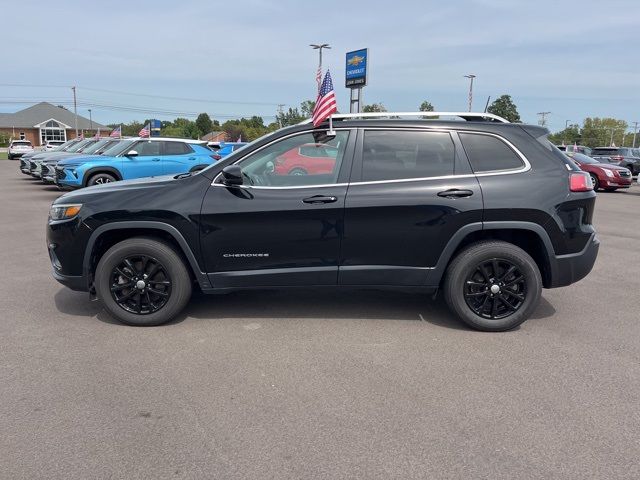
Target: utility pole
543	118
280	105
319	47
75	109
635	132
470	77
566	125
90	121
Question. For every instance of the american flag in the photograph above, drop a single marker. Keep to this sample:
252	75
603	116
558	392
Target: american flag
116	132
81	136
319	77
97	135
239	138
146	130
326	102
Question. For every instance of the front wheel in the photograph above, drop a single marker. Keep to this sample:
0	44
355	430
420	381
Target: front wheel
493	286
142	282
101	178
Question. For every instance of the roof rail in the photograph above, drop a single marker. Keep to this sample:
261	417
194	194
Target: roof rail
464	115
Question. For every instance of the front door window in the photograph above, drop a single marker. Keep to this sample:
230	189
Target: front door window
298	161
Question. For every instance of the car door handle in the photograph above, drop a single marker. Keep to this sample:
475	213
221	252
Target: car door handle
455	193
320	199
155	159
192	158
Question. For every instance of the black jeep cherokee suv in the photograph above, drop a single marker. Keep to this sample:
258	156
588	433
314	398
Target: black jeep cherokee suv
489	212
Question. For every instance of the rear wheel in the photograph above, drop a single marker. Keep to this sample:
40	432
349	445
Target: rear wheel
596	182
142	282
493	286
101	178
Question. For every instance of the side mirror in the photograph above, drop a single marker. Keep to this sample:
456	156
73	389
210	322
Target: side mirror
232	175
132	153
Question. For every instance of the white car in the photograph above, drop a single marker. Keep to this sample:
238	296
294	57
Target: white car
52	145
17	148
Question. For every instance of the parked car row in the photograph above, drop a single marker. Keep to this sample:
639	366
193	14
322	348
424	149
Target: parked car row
603	175
626	157
84	162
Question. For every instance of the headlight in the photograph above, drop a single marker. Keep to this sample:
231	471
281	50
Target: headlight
608	172
64	212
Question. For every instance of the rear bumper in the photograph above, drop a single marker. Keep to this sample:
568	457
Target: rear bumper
568	269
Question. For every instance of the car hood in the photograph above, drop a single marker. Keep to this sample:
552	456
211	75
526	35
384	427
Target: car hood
610	166
76	159
114	187
48	155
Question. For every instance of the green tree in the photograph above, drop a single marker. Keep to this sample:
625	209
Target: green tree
247	128
597	132
569	136
504	107
204	124
374	107
306	108
289	117
427	107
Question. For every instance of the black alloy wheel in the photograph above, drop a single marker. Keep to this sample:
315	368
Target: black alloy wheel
140	284
495	289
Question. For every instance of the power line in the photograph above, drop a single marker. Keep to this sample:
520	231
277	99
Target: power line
147	95
543	118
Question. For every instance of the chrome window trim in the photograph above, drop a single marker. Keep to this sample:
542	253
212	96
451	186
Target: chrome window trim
525	168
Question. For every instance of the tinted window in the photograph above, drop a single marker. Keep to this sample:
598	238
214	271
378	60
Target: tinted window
605	151
147	148
395	155
176	148
281	165
488	154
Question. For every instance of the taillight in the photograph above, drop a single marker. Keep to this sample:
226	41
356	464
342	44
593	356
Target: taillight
580	182
216	157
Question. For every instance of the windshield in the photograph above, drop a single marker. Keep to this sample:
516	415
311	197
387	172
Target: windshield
579	157
79	146
67	145
118	149
95	147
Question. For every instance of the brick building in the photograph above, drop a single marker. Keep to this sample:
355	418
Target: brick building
44	121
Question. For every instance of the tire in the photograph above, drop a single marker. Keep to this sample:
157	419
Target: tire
297	171
596	182
464	287
172	269
101	178
10	157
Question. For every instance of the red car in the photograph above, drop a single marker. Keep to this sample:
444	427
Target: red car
603	175
308	159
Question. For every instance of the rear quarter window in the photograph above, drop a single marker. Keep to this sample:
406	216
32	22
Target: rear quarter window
487	153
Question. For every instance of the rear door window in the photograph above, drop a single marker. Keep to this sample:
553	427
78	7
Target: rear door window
487	153
176	148
147	148
399	155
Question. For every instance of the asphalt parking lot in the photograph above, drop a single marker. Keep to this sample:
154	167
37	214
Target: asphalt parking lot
312	384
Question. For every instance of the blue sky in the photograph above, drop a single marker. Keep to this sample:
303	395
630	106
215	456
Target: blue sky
572	58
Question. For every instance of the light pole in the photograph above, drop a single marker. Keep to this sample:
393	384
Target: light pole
470	77
319	47
90	120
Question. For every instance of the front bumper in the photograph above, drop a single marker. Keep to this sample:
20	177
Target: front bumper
77	283
617	183
571	268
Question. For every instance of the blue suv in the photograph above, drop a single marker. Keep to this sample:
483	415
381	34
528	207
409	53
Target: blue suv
135	158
